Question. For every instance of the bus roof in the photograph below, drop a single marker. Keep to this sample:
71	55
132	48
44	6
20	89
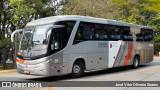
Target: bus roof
52	19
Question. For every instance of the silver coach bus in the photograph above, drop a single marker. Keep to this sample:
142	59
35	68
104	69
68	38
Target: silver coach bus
72	44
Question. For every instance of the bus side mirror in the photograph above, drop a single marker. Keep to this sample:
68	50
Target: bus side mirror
15	32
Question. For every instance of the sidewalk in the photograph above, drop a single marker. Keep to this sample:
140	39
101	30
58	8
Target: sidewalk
156	57
8	71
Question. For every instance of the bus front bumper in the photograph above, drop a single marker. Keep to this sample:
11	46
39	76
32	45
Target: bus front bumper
44	69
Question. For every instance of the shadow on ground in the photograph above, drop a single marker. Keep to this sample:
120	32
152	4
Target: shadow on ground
89	74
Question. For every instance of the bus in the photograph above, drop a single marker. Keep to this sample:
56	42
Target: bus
73	44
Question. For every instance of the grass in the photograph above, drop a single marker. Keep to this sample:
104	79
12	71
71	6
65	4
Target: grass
9	66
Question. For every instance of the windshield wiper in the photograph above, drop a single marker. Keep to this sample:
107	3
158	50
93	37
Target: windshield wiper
36	41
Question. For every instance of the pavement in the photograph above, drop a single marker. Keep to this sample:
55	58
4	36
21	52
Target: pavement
8	71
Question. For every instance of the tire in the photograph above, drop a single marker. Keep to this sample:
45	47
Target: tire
77	69
136	62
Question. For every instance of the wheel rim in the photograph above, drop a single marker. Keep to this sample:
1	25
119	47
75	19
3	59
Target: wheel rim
136	62
76	69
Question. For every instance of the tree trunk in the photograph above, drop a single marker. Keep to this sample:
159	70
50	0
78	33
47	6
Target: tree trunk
1	4
4	58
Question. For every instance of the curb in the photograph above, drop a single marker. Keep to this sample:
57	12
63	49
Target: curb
8	71
156	57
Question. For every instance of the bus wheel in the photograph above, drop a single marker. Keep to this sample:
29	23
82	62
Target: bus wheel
135	62
77	69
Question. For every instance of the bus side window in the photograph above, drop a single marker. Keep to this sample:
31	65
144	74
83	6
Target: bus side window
115	33
97	34
91	31
79	34
139	37
101	32
84	32
127	36
148	37
104	35
69	25
87	32
148	34
145	35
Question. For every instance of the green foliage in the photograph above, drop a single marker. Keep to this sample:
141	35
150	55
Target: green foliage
21	9
95	8
134	11
5	42
14	18
157	43
144	12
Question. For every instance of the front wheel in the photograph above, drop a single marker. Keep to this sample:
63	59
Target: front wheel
77	69
135	62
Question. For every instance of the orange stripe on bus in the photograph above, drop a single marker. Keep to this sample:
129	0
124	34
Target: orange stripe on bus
117	55
20	60
128	55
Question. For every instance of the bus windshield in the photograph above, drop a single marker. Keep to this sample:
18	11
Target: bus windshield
35	40
39	41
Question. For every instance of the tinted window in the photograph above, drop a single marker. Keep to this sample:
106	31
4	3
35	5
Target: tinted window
148	34
101	32
91	31
57	41
127	36
145	35
114	33
139	37
68	27
85	31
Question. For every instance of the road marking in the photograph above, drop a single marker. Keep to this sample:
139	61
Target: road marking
36	89
49	88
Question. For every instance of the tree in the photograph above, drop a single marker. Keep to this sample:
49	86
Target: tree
95	8
26	10
4	22
144	12
4	18
15	14
134	11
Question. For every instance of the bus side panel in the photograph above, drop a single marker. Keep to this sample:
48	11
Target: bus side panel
65	63
73	57
95	54
114	48
56	63
145	50
125	54
149	51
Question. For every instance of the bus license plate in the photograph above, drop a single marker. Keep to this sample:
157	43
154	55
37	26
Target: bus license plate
26	72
